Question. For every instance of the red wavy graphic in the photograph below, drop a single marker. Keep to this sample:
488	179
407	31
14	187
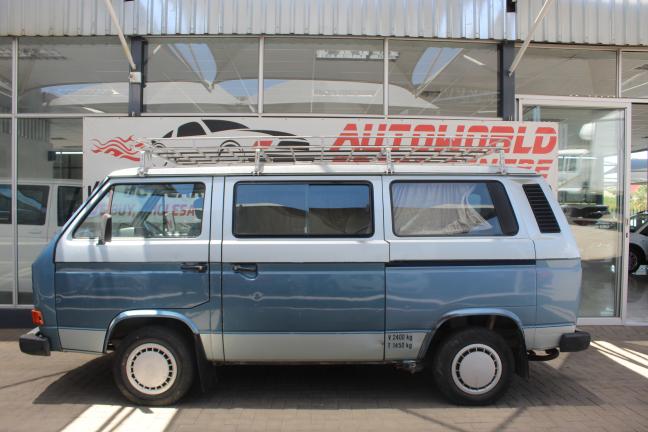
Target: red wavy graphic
119	147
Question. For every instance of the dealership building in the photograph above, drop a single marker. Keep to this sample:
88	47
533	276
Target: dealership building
188	64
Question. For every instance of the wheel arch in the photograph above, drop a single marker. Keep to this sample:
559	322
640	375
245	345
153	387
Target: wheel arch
502	321
642	253
139	318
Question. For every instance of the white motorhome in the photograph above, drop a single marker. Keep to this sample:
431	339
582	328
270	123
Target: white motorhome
43	207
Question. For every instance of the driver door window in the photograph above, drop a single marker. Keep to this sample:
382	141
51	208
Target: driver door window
166	210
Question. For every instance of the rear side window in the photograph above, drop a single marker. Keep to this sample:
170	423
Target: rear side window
190	129
5	204
303	210
68	200
32	204
164	210
445	208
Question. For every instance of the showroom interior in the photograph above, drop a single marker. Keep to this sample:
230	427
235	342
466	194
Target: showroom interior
595	89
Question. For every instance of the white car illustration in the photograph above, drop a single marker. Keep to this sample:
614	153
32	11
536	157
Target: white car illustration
236	134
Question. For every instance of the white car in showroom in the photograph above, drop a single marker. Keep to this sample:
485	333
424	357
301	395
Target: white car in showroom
638	247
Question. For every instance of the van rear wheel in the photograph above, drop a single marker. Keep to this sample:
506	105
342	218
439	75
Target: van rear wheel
473	366
154	366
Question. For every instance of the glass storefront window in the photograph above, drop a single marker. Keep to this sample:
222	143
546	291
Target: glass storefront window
638	253
323	75
634	75
567	72
49	185
6	230
196	75
72	75
590	192
5	75
442	79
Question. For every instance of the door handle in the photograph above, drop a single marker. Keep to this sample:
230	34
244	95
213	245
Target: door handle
244	268
194	267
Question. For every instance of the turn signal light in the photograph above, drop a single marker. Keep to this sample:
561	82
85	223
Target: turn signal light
37	317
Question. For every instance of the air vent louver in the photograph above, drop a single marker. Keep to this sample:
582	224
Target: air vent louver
541	209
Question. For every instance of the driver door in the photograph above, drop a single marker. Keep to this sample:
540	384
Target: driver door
158	257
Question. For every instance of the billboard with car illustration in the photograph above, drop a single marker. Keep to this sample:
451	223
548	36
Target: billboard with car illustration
112	143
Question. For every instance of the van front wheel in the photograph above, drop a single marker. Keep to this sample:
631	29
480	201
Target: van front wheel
473	366
153	366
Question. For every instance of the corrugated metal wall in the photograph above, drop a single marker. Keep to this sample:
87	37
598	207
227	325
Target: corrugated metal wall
465	19
609	22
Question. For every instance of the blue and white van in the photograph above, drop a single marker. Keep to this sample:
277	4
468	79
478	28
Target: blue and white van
467	270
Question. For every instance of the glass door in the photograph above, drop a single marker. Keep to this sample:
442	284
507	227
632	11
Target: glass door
638	249
590	190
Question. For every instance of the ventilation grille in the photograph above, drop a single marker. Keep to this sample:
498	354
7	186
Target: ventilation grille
541	209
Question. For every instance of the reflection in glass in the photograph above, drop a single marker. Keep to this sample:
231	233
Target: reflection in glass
590	191
442	79
328	76
49	184
443	209
303	210
170	210
72	75
638	253
567	72
212	75
5	75
634	75
6	230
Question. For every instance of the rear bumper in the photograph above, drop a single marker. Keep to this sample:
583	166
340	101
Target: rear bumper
576	341
34	343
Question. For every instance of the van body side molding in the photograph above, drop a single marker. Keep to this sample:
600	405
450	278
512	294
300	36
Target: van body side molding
463	263
147	313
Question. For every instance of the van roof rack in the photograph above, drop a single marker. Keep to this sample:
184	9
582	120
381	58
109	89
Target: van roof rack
290	149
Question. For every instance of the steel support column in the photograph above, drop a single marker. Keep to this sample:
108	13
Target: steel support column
506	81
136	86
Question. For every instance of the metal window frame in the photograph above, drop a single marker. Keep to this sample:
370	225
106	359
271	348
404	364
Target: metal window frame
14	166
620	53
261	40
64	39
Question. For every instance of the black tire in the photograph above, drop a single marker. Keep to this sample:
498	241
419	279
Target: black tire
482	342
174	353
635	259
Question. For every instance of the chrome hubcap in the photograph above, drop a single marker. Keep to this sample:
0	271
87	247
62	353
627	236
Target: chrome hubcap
476	369
151	368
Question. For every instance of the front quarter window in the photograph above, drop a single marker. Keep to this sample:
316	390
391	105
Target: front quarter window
91	225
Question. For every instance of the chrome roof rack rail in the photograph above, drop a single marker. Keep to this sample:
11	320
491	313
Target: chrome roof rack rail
260	150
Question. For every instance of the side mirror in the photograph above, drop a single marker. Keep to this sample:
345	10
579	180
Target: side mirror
105	235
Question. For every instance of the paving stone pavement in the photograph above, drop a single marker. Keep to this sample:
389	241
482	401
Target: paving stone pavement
602	389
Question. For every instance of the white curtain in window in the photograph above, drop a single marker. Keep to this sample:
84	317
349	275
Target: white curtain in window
435	209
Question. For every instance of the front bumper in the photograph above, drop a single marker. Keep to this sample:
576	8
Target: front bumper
576	341
34	343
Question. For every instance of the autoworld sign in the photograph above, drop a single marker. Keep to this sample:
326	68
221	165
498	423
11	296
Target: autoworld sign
112	143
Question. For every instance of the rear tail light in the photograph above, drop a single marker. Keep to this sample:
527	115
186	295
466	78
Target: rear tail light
37	317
